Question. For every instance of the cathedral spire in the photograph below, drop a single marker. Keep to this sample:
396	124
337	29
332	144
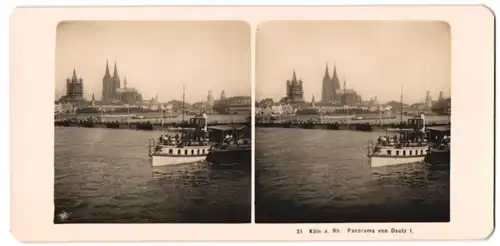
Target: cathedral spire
294	76
125	82
74	78
335	78
115	73
107	69
327	74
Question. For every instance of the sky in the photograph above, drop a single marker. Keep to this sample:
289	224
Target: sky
375	58
157	57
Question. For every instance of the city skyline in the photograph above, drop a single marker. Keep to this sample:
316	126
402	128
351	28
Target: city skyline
375	58
156	57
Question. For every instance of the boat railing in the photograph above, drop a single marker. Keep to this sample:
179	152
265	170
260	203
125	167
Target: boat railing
183	143
399	145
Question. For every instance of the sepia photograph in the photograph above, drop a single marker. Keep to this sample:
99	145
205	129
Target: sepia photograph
251	123
152	122
353	121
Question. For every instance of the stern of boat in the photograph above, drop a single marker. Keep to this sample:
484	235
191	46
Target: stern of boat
371	149
151	147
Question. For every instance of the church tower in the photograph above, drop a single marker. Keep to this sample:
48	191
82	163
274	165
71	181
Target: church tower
210	99
326	91
335	79
74	87
313	102
116	82
223	96
428	99
107	83
295	90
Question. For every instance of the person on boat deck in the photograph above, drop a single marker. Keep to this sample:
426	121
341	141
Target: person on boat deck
445	139
240	141
228	139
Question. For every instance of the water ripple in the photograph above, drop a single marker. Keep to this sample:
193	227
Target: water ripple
310	176
104	176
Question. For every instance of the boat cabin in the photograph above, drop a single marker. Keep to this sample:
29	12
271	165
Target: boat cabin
411	135
416	123
198	122
234	132
194	135
437	134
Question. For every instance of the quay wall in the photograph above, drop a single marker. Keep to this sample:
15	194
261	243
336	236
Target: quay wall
354	126
133	125
151	117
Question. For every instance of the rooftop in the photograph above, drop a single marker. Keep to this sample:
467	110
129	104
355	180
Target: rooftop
446	128
227	127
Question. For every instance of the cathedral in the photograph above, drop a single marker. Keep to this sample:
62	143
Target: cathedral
112	93
330	85
110	85
332	93
294	91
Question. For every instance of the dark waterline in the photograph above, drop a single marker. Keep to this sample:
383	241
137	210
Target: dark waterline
322	176
105	176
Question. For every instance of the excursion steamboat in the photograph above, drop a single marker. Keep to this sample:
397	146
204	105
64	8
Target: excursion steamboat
407	145
181	145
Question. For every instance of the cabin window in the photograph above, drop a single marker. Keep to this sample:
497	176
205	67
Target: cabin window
178	151
192	152
388	152
404	152
185	151
422	152
170	151
411	152
397	152
198	151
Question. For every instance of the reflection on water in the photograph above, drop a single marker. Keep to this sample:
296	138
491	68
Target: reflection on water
324	176
105	176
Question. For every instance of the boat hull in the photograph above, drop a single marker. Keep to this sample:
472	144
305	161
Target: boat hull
241	156
438	157
381	161
159	160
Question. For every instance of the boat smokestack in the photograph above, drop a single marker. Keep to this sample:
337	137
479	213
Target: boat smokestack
205	116
422	116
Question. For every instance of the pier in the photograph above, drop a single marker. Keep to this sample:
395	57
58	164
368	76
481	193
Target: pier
143	124
354	125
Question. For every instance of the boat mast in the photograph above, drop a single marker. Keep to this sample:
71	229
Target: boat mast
128	111
182	123
380	115
161	123
401	122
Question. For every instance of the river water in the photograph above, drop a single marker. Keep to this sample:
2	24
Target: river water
313	176
105	176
